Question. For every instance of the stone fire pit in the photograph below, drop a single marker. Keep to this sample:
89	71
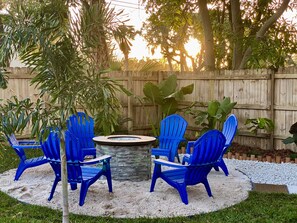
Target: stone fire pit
131	155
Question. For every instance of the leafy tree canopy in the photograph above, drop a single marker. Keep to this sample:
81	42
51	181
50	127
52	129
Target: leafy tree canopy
246	34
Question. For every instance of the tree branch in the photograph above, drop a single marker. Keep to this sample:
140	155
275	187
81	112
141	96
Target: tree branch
260	34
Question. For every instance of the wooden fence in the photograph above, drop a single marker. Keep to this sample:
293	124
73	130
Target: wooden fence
258	93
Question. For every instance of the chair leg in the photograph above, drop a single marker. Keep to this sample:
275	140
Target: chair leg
73	186
182	189
109	182
20	170
53	188
216	167
156	174
207	187
223	167
83	193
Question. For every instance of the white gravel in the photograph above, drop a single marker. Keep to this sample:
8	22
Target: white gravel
266	173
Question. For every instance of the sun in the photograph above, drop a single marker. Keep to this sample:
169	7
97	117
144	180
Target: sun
193	47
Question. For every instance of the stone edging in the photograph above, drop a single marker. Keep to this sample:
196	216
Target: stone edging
270	159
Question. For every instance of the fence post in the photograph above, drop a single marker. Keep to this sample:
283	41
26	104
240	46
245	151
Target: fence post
130	101
160	79
272	95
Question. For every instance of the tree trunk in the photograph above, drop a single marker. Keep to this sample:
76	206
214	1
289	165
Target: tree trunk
208	35
170	64
237	29
168	56
126	61
260	34
64	178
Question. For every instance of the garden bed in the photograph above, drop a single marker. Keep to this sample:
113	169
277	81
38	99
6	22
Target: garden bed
243	152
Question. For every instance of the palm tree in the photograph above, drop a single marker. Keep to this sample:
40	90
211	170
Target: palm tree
52	42
100	24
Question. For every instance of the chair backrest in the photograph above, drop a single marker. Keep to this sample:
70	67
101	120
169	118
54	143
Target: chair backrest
208	148
207	151
82	126
173	127
229	129
51	150
172	131
74	155
14	142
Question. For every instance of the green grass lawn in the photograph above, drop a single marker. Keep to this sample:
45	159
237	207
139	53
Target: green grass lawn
259	207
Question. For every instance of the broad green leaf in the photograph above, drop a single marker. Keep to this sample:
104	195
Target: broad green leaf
169	85
152	92
213	107
169	106
187	89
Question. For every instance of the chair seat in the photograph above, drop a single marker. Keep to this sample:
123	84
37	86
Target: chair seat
36	160
176	175
89	172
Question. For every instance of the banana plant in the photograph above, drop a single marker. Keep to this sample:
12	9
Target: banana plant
214	116
166	94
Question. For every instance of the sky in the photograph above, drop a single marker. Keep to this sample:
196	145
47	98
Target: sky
136	13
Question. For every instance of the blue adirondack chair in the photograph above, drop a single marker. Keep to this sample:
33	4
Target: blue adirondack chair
207	151
19	147
82	126
79	171
172	131
229	131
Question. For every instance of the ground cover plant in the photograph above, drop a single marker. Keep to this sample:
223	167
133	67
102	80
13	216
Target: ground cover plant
259	207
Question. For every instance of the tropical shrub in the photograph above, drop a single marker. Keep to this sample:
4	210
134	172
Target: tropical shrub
214	116
255	124
166	94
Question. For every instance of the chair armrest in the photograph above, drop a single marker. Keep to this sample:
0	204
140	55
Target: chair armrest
27	146
28	142
168	163
189	145
97	160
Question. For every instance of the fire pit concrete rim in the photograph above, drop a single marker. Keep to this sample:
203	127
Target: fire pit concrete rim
124	140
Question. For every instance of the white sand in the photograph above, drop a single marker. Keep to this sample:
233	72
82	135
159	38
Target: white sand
129	199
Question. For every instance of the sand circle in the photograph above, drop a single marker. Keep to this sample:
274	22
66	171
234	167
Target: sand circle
129	199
